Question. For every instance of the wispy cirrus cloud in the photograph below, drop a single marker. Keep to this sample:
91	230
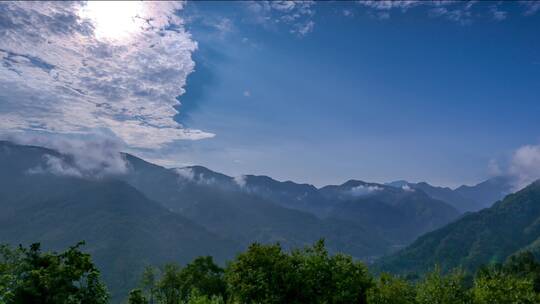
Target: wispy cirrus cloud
531	7
296	15
67	69
460	12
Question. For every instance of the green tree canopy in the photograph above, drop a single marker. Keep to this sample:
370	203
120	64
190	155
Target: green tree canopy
391	290
204	276
136	296
437	288
498	287
266	274
28	275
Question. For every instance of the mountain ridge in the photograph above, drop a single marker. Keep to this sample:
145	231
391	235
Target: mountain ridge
489	235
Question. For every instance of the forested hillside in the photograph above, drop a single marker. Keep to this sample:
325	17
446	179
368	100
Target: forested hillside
488	236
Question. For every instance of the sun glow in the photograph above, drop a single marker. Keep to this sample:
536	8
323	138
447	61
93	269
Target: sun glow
114	20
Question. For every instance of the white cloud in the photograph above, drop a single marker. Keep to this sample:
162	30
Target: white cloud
297	15
58	75
531	7
456	11
240	180
185	173
347	13
93	158
189	174
494	169
498	14
407	188
525	165
390	4
362	190
247	93
303	29
56	166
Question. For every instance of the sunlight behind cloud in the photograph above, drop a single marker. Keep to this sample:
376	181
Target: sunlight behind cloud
77	68
114	20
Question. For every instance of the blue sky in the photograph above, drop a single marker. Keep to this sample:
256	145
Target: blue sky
319	92
411	96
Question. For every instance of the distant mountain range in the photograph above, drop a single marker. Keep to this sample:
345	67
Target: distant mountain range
151	215
490	235
465	198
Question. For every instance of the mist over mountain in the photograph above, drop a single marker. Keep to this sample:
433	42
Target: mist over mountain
148	214
123	229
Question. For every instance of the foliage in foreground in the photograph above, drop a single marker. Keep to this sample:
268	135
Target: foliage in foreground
268	275
263	274
27	275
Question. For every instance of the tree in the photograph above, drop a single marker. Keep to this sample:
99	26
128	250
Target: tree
31	276
350	280
149	283
524	265
197	298
136	296
440	289
391	290
203	275
497	287
168	287
266	274
260	275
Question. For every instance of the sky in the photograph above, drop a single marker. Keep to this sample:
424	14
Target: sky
318	92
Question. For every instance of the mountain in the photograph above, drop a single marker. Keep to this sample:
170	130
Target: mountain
465	198
399	214
123	230
288	194
458	201
151	214
488	192
373	218
235	209
489	235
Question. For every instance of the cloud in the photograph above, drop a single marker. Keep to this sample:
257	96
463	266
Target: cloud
531	7
494	169
185	173
498	14
391	4
457	11
522	167
303	29
460	12
525	165
462	16
297	15
93	158
247	93
347	13
56	166
190	174
63	72
362	190
240	180
407	188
